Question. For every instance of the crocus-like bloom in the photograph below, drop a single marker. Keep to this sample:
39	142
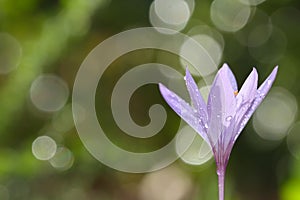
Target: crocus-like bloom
221	120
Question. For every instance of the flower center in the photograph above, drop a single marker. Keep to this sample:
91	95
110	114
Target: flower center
236	92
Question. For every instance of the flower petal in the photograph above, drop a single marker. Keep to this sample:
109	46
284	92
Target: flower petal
197	100
184	110
228	142
214	108
248	90
221	106
260	95
246	95
231	77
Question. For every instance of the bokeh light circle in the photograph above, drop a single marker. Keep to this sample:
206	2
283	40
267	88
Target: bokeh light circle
44	148
49	93
198	153
212	47
229	15
174	12
191	4
272	49
204	29
156	21
10	53
276	114
63	159
257	31
259	35
252	2
166	184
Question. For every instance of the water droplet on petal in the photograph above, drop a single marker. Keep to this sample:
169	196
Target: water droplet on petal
262	95
229	118
206	125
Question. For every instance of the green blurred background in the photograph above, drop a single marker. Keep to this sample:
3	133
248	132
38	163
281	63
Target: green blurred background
44	42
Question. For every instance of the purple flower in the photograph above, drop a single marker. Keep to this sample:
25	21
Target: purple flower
221	120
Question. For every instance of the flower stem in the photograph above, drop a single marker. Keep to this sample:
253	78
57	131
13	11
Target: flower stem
221	179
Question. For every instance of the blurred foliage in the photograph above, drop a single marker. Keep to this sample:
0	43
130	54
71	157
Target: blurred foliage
56	36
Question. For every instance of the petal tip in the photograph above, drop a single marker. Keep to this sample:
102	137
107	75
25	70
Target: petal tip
275	69
187	72
164	91
273	74
161	87
254	70
225	65
225	69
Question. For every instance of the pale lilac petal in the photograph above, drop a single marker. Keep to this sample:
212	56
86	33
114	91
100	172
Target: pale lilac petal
259	96
226	95
231	77
245	99
197	101
184	110
246	95
266	86
228	142
248	90
215	126
221	106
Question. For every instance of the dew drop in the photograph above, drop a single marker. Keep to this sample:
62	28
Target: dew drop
229	118
262	95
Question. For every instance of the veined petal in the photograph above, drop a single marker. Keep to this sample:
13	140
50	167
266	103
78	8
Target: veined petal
197	100
231	77
246	95
221	106
259	96
228	141
248	90
266	85
226	94
214	108
184	110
